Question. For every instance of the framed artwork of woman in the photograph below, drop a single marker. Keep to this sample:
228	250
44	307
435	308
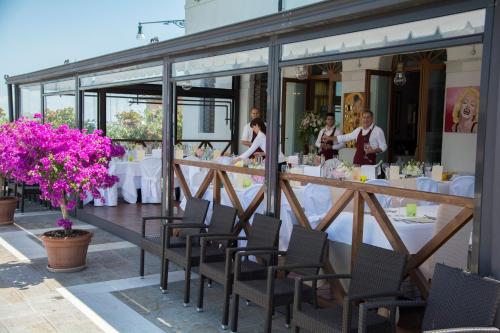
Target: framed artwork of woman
462	109
354	104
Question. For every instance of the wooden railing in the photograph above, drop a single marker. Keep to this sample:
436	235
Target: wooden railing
361	193
217	173
357	192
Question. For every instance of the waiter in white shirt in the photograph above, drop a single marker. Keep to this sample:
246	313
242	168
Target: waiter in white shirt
248	135
325	138
258	146
370	140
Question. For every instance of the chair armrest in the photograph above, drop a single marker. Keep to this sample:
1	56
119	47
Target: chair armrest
184	225
147	218
323	277
365	307
244	253
274	269
362	297
151	218
466	330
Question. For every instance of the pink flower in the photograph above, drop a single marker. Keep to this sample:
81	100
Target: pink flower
64	162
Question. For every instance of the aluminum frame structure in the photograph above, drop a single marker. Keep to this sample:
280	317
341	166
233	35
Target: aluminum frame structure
322	19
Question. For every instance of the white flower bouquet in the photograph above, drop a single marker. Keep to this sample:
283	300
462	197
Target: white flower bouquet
412	168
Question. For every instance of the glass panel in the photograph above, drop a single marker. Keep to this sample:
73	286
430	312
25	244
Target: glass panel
132	117
237	60
295	105
59	86
405	126
434	129
31	100
380	87
90	110
125	74
450	26
223	82
201	120
59	110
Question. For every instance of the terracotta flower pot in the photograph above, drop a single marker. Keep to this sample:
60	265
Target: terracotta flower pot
67	254
7	208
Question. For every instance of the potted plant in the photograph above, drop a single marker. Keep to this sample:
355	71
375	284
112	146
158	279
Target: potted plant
309	127
67	164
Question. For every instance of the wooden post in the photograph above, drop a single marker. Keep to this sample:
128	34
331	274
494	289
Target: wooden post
357	225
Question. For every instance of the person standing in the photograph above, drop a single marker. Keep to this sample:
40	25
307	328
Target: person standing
370	140
248	134
325	138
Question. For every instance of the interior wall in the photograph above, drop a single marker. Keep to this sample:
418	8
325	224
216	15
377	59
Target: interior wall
463	68
245	101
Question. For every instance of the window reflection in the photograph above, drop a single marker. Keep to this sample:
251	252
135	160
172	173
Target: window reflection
31	100
134	73
60	110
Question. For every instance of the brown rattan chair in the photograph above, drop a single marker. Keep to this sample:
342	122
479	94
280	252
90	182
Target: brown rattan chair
195	212
304	256
188	256
376	273
263	235
458	302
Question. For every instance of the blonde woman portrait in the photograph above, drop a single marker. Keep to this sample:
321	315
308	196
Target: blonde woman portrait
465	110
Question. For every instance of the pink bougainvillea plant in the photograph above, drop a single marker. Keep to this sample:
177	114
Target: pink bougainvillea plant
66	163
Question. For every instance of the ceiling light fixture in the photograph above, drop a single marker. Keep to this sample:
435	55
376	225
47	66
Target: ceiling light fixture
400	77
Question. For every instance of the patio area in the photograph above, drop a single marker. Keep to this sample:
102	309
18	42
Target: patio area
108	296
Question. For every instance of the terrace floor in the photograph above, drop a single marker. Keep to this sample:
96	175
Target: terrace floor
108	296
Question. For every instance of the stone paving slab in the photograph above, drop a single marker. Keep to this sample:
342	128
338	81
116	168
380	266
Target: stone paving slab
168	313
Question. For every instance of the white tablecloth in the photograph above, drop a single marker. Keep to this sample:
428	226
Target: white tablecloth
126	170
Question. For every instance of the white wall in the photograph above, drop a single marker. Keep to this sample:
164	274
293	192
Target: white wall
209	14
463	69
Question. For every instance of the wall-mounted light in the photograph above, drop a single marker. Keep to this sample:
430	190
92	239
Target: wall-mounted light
140	33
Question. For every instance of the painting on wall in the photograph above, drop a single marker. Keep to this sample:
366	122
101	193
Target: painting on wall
354	104
462	110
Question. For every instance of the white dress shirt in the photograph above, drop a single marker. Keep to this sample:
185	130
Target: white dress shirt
329	132
259	142
247	133
377	138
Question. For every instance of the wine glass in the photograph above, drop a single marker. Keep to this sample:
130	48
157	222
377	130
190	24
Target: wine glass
366	147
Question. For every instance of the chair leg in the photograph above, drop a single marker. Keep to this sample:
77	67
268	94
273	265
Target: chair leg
234	310
187	286
141	263
287	318
164	282
225	309
199	306
269	320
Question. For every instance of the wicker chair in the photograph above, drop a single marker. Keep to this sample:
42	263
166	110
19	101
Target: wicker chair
458	302
376	273
188	256
304	256
196	211
263	235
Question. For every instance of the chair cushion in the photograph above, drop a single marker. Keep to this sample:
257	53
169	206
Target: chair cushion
330	319
256	291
